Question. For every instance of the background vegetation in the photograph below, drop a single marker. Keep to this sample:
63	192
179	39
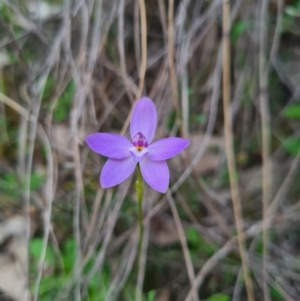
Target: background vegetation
70	68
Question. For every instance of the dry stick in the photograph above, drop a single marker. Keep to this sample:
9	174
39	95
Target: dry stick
162	16
15	106
183	241
121	48
96	38
143	60
94	217
238	287
48	208
230	152
76	220
265	124
32	130
182	62
276	39
173	76
136	28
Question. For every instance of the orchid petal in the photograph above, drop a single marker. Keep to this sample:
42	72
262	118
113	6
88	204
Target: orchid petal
116	171
156	174
109	145
167	148
144	119
138	155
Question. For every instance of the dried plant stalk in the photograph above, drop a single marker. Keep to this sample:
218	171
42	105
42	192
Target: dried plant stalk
230	151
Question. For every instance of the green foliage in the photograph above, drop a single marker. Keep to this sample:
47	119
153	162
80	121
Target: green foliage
8	16
98	287
151	295
68	255
56	279
200	118
275	293
49	85
54	2
50	284
35	250
228	277
3	138
292	145
219	297
292	111
193	237
170	120
64	102
224	176
198	243
5	13
259	246
293	10
11	185
36	181
238	29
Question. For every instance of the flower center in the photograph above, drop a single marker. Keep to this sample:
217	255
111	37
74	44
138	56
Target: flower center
139	141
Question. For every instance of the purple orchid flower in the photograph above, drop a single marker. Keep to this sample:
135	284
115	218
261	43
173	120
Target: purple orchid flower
124	155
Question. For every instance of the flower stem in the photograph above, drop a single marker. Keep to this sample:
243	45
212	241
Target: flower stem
139	187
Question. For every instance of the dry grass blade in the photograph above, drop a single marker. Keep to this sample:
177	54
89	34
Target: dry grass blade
183	241
230	152
143	66
173	76
48	208
266	139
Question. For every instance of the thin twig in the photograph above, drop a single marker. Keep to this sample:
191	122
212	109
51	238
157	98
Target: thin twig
76	217
137	45
183	241
230	151
48	207
143	60
173	76
162	16
121	41
265	124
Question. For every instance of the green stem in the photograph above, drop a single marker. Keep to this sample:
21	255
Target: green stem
139	187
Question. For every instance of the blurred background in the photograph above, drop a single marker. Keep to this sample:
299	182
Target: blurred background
69	68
